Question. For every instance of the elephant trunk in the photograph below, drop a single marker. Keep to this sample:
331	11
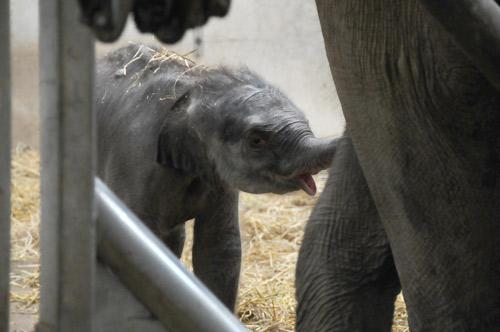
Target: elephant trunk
311	156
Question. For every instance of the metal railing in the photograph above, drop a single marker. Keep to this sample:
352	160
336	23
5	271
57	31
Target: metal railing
153	273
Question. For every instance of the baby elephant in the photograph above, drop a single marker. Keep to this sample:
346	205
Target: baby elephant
177	141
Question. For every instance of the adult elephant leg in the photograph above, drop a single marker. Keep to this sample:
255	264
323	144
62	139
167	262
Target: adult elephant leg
217	248
425	126
345	278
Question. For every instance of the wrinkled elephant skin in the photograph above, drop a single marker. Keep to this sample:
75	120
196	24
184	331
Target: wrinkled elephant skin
425	126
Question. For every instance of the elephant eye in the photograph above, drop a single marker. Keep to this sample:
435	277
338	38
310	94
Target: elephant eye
257	141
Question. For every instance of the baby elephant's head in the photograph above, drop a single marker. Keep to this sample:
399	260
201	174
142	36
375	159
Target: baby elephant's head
251	137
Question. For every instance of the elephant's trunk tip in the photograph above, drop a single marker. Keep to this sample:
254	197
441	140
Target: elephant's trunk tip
319	156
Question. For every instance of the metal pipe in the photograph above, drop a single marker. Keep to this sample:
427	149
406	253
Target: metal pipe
67	167
475	26
154	274
5	105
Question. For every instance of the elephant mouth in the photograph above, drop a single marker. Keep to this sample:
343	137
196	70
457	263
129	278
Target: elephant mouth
306	180
300	180
304	177
307	183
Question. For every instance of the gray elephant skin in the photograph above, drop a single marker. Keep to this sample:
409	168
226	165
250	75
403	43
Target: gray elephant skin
178	141
413	198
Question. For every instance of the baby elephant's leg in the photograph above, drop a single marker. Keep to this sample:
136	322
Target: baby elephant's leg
175	238
217	248
346	279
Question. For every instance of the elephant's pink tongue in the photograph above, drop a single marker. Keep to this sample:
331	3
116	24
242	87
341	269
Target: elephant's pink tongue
307	183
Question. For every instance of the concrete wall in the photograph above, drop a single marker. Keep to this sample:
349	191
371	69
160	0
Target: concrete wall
279	39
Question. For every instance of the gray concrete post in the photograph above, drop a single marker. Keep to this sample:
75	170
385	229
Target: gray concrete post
5	105
67	169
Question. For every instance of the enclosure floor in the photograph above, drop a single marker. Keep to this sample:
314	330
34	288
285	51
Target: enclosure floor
272	229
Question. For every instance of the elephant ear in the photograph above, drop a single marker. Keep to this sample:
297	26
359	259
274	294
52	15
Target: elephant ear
178	146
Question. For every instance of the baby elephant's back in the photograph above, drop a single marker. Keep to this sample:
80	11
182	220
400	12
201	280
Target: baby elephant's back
132	100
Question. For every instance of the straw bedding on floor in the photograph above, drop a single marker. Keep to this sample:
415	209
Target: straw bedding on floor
272	228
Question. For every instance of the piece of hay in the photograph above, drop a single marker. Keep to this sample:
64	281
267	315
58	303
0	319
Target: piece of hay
25	241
